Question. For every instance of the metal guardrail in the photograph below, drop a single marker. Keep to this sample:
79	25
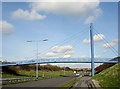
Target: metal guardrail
19	79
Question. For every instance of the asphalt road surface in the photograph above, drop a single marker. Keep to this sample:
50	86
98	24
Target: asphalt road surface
54	82
84	83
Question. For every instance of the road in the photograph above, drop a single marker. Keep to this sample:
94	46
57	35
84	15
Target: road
54	82
84	82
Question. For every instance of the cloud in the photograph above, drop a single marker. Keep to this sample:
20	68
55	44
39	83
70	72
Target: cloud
85	41
51	54
67	56
96	14
77	65
97	56
84	56
6	28
43	64
85	9
71	51
78	9
42	57
116	40
68	49
96	38
111	44
108	45
26	15
105	51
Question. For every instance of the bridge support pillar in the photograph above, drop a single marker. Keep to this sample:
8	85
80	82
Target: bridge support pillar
92	48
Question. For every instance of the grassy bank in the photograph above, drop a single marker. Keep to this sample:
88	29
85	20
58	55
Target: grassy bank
109	77
28	71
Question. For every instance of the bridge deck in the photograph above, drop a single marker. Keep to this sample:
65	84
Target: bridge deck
59	62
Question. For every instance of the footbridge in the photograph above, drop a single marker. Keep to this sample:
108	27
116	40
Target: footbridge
62	60
91	60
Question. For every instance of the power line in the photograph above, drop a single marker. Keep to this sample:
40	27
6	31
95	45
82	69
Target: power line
64	41
107	42
73	37
74	43
109	47
113	49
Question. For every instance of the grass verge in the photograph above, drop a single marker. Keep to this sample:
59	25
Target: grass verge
70	83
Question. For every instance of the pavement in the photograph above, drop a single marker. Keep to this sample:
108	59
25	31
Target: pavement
84	83
54	82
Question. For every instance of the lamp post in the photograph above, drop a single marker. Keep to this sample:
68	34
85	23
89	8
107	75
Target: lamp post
37	53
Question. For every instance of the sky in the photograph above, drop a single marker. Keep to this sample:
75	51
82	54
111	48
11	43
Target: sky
66	25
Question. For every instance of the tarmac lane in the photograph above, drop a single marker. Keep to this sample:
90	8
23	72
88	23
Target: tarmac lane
53	82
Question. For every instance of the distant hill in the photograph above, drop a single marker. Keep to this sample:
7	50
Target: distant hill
109	77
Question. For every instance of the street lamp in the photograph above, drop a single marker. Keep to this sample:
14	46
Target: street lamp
37	53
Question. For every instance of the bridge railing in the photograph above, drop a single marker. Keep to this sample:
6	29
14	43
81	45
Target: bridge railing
63	60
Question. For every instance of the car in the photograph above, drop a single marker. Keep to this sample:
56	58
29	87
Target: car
77	74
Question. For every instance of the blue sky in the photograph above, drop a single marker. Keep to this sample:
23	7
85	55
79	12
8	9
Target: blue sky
56	26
